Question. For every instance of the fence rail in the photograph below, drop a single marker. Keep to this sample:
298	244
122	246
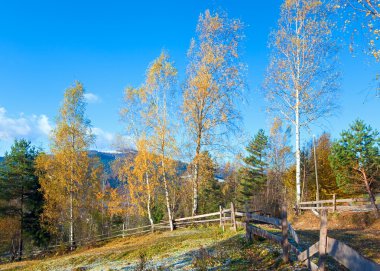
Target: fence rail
338	250
335	204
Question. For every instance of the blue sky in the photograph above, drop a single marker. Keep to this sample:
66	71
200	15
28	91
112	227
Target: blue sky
46	45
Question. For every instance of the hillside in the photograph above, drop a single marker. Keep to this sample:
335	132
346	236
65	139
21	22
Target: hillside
185	249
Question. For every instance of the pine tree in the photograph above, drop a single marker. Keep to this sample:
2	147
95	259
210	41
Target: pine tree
355	158
253	173
19	188
210	195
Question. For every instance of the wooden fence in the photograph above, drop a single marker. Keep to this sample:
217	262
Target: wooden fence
251	221
326	246
334	204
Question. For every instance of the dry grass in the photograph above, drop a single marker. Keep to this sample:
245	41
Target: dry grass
358	230
124	251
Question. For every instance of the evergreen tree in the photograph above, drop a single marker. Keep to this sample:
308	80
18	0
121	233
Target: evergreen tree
355	159
19	190
253	173
210	195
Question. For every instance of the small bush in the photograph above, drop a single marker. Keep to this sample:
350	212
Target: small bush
144	263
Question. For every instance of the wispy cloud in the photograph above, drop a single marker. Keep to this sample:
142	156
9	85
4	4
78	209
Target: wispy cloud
35	128
91	98
110	142
23	126
104	140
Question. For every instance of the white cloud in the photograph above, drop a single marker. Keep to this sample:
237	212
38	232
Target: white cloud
29	127
37	128
34	128
104	140
91	98
12	127
44	125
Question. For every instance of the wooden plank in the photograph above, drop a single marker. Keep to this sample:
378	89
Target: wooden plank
352	200
323	241
197	221
293	234
248	233
334	202
233	221
316	202
220	216
337	200
241	214
284	241
196	216
318	208
349	257
268	220
309	252
264	234
367	207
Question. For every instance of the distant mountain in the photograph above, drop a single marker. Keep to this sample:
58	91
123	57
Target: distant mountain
107	158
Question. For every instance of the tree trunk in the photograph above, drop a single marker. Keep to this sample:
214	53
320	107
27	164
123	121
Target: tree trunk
167	195
71	222
20	245
298	156
303	181
195	190
297	123
71	238
316	173
371	195
149	201
196	176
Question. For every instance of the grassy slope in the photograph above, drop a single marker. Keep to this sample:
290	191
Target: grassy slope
185	249
180	250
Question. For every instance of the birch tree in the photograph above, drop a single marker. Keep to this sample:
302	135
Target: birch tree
301	80
214	82
361	17
155	111
144	170
67	176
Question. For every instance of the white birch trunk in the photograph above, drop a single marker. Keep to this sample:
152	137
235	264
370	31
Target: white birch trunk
149	200
298	154
167	195
195	190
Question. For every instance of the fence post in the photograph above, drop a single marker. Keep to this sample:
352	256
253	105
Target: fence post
248	233
334	202
285	241
174	224
220	216
123	231
323	241
233	218
224	218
